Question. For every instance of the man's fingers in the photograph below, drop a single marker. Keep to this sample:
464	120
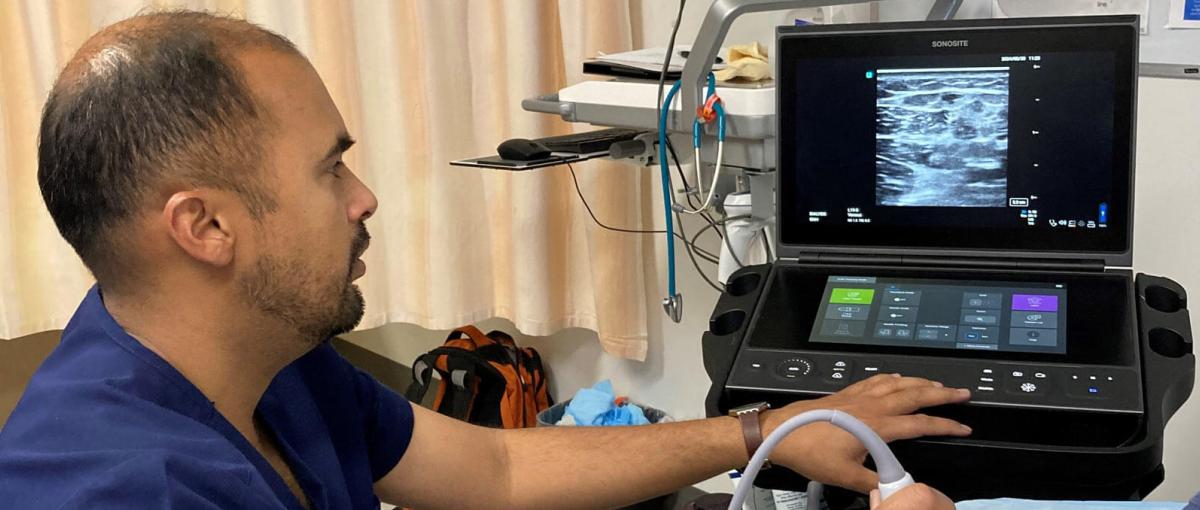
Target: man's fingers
867	384
911	399
889	385
917	425
862	480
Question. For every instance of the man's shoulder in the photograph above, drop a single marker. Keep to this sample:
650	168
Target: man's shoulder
146	478
104	445
93	392
99	419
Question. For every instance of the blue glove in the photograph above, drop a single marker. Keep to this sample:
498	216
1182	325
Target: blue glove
594	407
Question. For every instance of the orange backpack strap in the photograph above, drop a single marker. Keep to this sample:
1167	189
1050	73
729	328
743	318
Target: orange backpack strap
502	338
461	371
473	333
485	379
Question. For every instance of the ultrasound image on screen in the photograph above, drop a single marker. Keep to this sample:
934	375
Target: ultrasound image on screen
941	137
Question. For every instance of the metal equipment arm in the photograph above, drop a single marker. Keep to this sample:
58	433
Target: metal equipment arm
716	24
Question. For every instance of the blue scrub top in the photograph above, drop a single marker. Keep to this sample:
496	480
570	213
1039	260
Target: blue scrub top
106	423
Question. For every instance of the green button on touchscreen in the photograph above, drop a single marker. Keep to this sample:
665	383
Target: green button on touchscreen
852	296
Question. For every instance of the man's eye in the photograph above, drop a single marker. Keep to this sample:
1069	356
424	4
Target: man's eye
336	167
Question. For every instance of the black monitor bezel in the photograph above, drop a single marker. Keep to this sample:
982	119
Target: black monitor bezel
1113	245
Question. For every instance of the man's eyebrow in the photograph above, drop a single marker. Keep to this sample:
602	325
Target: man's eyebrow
343	144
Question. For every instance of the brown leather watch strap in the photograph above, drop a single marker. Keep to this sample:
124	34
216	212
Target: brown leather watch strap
751	431
751	421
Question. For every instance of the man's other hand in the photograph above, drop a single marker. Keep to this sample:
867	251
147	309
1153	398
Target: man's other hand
914	497
828	454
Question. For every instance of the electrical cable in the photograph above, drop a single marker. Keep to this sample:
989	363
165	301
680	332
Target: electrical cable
714	226
766	239
704	254
688	195
662	76
732	253
813	494
679	171
579	191
708	218
688	247
716	285
892	476
675	159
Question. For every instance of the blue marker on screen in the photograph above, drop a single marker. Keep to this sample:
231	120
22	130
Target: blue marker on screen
1103	212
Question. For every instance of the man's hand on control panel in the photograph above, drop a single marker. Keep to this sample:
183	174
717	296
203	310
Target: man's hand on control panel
825	453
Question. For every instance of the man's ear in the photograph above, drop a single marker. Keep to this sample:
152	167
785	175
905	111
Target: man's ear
196	224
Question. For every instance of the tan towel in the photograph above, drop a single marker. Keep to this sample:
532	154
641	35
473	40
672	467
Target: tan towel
747	62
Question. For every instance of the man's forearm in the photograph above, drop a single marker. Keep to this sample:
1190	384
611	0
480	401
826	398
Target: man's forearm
604	467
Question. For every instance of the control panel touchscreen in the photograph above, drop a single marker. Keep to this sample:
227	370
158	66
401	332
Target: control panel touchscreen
943	314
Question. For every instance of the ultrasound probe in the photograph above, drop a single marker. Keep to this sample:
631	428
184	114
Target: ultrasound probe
892	476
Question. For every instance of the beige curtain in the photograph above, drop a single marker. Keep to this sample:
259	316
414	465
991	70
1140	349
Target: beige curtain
420	83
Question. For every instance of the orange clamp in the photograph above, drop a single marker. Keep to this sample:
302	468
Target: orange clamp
708	112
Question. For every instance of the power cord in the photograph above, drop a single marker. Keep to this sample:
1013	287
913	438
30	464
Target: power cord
716	227
704	254
688	194
689	247
708	218
662	76
767	245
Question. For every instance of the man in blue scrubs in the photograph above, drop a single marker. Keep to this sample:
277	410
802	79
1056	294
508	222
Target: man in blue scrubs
195	164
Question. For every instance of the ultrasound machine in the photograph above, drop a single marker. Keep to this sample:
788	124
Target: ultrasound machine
954	201
948	199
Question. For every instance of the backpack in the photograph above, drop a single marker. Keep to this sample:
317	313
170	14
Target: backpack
486	379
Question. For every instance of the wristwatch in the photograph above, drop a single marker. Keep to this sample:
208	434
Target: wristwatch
750	416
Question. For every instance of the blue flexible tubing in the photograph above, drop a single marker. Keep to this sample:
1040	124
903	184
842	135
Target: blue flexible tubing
697	130
666	188
664	167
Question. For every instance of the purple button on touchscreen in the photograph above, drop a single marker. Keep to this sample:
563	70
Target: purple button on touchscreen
1035	303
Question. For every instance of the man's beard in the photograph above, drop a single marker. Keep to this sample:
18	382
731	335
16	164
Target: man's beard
286	289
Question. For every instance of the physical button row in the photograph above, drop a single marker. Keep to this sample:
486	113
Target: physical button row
837	371
1019	383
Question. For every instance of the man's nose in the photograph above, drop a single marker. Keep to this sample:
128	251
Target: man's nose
362	202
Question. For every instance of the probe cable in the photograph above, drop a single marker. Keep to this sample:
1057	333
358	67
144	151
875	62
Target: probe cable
892	476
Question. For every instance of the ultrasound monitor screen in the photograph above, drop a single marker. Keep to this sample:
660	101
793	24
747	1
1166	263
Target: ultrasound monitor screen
941	137
997	138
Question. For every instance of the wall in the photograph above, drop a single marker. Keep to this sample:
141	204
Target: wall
1167	237
19	357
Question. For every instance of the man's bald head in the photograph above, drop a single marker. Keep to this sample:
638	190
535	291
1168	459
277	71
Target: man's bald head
147	105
